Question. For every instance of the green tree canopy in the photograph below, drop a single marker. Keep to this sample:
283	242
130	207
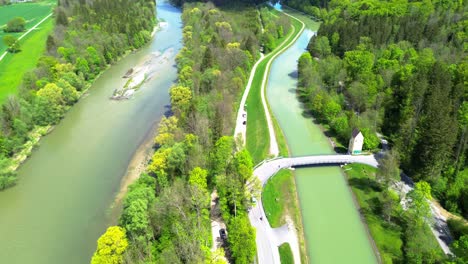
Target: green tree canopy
111	247
17	24
12	43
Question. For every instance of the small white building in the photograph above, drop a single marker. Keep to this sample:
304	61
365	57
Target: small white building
356	142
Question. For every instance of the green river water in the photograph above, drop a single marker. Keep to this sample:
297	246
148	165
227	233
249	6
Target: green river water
333	229
62	202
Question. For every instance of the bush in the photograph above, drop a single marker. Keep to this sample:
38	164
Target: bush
17	24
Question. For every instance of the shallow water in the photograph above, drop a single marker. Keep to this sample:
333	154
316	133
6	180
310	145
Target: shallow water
333	230
62	201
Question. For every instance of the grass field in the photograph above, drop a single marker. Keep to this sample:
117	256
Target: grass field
286	255
31	12
258	138
387	237
13	66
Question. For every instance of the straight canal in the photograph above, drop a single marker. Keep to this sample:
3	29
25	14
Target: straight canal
333	229
62	202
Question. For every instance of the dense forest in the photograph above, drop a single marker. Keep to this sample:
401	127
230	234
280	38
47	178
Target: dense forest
88	36
398	68
166	213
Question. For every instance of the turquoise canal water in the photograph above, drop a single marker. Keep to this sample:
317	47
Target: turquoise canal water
62	202
333	230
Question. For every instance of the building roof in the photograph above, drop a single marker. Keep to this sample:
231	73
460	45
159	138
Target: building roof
355	132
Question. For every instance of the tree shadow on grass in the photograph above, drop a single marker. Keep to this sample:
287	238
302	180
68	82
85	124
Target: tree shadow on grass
365	184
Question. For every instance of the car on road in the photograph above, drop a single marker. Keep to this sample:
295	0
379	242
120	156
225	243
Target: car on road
244	122
222	234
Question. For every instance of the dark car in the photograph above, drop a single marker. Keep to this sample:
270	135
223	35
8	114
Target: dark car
222	234
245	122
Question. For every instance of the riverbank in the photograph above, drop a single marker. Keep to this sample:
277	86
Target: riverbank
136	167
38	132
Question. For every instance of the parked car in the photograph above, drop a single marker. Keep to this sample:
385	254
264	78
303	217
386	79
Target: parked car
244	122
222	234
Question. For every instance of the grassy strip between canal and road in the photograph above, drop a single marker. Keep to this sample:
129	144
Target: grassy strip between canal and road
286	255
258	138
279	197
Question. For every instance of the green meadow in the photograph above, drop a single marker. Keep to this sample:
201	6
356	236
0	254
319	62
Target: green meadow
13	66
31	12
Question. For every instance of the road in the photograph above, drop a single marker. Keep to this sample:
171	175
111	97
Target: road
242	114
268	239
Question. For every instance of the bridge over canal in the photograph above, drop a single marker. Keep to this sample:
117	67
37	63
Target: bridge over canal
268	168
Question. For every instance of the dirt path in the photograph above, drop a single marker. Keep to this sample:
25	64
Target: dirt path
217	224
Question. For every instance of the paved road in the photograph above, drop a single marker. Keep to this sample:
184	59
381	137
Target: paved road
242	114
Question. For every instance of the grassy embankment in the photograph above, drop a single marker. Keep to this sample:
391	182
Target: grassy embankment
13	66
258	138
387	236
286	255
279	198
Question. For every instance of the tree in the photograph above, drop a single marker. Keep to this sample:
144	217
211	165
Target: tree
50	44
420	245
111	247
331	109
12	43
180	98
461	247
358	94
320	47
222	155
371	141
358	61
389	201
166	131
197	178
49	104
17	24
389	171
159	160
418	203
242	239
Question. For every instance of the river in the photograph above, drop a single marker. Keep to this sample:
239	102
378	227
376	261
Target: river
64	196
333	229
